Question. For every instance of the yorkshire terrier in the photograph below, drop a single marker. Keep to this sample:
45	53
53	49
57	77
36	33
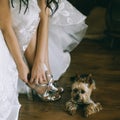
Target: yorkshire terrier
80	95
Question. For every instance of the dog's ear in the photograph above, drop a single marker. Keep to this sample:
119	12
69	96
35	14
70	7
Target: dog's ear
91	82
75	77
83	78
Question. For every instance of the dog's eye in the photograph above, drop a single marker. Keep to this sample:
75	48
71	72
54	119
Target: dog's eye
75	90
82	91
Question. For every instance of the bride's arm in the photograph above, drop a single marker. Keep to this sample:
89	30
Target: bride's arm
38	73
42	36
10	38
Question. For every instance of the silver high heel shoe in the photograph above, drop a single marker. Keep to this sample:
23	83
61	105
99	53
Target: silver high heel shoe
51	81
51	92
43	91
47	95
29	93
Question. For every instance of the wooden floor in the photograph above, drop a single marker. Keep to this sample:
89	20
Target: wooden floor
91	56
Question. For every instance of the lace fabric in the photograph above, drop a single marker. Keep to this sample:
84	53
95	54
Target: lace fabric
67	15
26	23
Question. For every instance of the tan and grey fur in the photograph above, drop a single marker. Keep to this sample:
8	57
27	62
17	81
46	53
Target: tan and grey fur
81	95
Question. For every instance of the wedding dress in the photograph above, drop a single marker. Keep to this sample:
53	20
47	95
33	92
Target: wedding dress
66	29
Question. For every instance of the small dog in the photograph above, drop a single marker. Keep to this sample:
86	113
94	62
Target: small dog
80	95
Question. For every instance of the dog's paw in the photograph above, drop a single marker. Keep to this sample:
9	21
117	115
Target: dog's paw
92	108
71	108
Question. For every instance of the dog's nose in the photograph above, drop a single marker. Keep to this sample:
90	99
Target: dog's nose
77	97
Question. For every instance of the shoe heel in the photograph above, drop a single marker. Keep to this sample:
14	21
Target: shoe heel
29	93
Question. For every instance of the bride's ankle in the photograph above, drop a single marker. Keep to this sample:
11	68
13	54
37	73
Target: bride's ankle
40	88
49	77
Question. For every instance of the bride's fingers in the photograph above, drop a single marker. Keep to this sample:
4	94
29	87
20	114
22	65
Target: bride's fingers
25	80
44	77
31	80
41	80
36	81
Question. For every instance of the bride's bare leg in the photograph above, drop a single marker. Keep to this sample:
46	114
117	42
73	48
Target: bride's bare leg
47	59
30	51
30	55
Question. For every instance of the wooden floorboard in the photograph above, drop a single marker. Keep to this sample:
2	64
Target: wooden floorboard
91	56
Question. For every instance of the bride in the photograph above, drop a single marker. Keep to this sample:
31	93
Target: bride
36	37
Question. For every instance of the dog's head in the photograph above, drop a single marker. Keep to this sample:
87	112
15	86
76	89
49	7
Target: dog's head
82	88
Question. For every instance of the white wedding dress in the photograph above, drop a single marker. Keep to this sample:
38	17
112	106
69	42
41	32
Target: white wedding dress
66	29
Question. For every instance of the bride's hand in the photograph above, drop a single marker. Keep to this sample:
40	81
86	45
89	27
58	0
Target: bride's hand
23	72
38	74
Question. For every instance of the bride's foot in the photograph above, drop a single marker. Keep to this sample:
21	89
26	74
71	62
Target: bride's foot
44	92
